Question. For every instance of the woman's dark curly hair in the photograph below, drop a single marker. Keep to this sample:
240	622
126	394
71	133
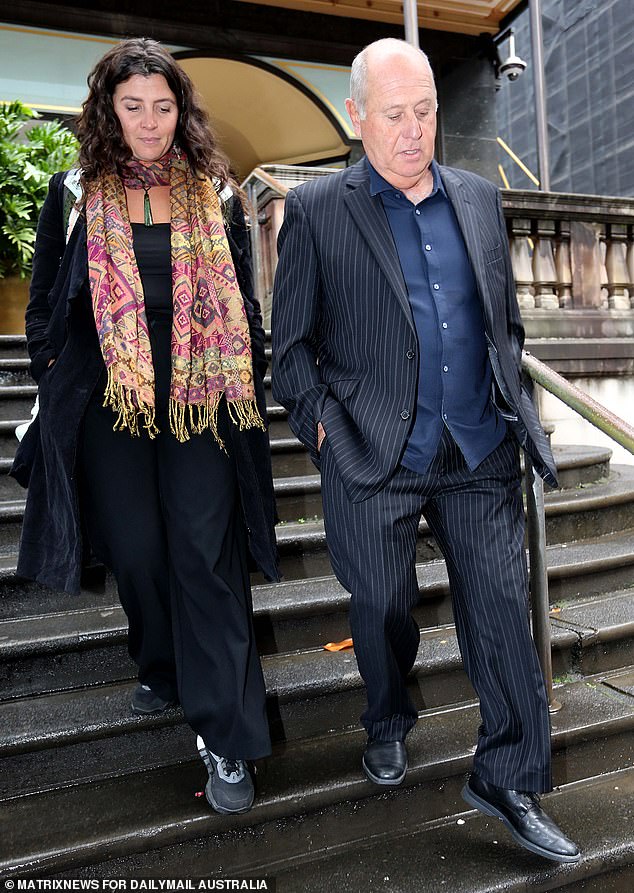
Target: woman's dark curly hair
102	146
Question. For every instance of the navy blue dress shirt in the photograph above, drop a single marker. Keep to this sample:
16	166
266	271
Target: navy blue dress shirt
454	381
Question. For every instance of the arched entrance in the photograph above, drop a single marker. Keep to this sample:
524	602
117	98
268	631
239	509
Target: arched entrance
262	115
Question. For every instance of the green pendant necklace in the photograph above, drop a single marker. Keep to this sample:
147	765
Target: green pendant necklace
147	208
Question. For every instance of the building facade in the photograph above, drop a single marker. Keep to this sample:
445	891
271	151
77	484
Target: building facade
589	72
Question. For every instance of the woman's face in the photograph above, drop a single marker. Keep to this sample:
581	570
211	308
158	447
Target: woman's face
148	113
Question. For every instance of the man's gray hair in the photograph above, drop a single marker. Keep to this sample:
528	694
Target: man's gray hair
359	69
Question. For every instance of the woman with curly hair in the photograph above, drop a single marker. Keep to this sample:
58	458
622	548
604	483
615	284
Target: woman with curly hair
147	345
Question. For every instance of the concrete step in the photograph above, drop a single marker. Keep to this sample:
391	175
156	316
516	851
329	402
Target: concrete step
291	615
299	496
115	817
24	598
14	366
299	487
278	420
14	371
293	849
11	517
307	690
290	459
581	464
8	440
13	347
571	515
470	853
10	490
591	509
16	400
605	630
279	427
288	455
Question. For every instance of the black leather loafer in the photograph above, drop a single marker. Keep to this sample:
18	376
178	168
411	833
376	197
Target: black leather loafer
385	762
145	701
524	818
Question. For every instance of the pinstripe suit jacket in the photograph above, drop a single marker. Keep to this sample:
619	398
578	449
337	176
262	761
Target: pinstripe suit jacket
345	350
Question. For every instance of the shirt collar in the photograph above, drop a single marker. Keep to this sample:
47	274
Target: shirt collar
378	184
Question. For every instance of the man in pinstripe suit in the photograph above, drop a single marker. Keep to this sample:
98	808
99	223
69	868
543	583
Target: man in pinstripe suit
397	343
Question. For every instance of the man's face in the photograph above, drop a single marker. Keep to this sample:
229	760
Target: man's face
399	127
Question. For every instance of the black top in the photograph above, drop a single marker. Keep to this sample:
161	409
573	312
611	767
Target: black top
154	259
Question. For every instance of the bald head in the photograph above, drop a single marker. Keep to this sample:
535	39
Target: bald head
378	57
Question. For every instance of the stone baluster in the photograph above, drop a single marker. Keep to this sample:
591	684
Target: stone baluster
603	273
630	264
616	267
519	234
544	271
563	264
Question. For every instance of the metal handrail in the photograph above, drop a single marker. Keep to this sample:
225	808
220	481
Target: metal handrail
619	431
581	402
270	181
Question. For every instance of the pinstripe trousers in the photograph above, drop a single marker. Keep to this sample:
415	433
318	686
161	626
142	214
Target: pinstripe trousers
477	520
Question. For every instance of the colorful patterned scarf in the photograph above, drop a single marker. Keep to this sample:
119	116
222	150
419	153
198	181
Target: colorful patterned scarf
211	345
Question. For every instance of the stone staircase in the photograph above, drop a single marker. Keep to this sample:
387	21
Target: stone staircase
88	790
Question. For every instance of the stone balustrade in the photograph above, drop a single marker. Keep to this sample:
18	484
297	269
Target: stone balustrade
572	255
571	252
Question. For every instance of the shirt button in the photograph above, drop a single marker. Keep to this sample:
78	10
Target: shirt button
410	354
445	368
444	415
405	415
436	286
427	247
444	325
418	212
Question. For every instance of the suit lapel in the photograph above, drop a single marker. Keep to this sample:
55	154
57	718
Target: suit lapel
470	226
368	214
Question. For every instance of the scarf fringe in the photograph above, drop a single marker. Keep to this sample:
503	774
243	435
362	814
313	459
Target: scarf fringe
129	408
185	419
245	414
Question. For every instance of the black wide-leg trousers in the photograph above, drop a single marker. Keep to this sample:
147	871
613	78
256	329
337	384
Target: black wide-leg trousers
164	516
477	520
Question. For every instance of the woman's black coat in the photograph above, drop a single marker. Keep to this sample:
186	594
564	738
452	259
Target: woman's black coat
60	324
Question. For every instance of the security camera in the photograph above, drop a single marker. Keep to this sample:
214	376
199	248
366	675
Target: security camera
513	66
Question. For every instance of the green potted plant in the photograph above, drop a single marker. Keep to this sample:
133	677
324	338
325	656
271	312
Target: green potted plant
28	158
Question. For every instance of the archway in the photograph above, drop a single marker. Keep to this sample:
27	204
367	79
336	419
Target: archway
263	115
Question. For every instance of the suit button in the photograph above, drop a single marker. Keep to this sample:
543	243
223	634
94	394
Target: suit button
405	415
410	354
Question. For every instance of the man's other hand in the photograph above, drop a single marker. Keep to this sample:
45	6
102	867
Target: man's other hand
321	436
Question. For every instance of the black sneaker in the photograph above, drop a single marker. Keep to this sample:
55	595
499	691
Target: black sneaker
229	788
145	701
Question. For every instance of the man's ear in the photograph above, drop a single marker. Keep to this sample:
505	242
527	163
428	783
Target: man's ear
355	118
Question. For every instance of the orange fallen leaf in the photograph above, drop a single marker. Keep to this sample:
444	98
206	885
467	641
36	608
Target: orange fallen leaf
338	646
